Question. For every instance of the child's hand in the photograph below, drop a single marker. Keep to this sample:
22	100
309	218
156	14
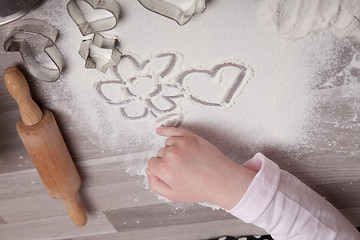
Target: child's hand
190	169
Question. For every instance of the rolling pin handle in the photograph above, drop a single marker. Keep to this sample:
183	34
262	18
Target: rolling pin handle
76	210
19	90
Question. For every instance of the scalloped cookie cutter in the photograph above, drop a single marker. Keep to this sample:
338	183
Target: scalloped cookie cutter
181	11
90	50
99	25
16	42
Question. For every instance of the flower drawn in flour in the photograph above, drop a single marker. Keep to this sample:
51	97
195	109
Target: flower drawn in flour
152	87
145	88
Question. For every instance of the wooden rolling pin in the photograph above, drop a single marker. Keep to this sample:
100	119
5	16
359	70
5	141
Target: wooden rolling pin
45	145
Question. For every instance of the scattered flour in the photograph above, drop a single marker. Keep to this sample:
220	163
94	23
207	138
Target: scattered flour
274	107
272	110
298	18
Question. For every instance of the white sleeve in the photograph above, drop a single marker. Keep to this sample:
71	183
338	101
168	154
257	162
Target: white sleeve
288	209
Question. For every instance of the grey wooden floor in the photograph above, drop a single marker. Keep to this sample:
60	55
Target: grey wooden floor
119	204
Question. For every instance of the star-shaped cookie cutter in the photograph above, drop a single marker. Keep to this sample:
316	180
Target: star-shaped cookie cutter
90	51
99	25
16	42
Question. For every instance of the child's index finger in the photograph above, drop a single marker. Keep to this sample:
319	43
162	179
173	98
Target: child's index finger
171	132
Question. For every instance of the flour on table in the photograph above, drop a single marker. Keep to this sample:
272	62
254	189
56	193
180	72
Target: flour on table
298	18
164	77
271	107
266	98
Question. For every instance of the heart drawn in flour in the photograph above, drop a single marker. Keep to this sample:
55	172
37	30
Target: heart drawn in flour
218	86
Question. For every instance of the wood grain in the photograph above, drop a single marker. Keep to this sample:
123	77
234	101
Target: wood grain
195	231
328	162
353	215
2	221
127	219
55	228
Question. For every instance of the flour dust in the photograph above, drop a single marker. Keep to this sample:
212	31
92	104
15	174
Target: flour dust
267	100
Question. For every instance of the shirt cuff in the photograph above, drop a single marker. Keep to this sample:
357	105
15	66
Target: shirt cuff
261	190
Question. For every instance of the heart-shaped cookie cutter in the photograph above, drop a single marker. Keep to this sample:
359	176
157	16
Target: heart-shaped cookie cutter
180	11
16	42
99	25
93	59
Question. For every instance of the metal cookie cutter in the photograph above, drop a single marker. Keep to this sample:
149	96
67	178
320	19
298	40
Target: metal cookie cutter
96	52
180	11
99	25
16	42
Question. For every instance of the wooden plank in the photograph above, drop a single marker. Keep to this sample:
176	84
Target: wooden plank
56	228
94	173
107	186
127	219
35	207
13	154
104	197
19	184
15	158
340	194
353	214
195	231
333	151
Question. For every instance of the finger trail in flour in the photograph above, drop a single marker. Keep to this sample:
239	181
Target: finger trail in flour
149	90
